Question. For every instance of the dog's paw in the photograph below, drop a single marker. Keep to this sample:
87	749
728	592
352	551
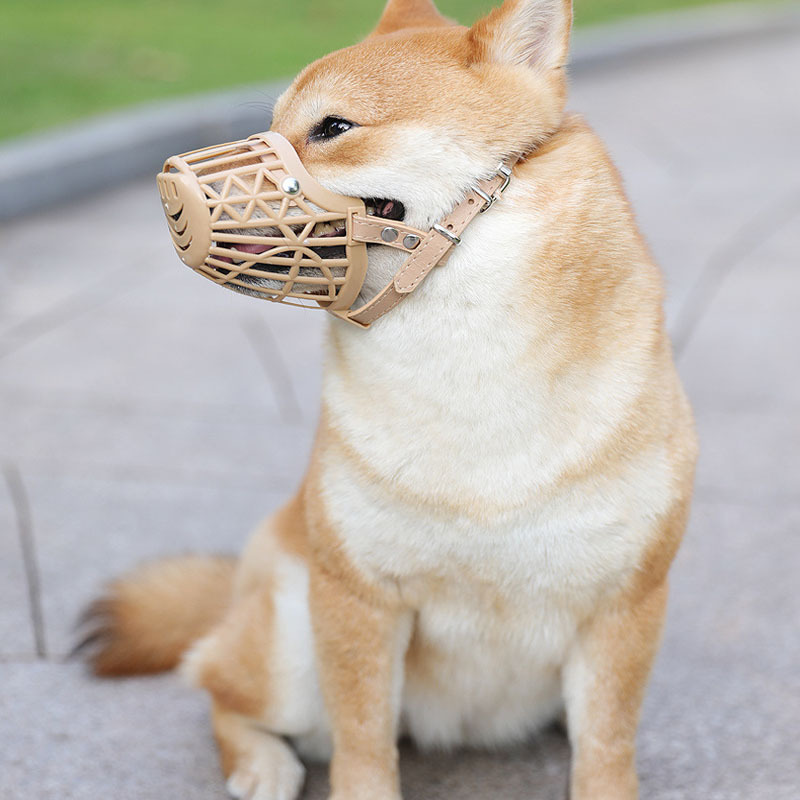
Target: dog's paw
273	772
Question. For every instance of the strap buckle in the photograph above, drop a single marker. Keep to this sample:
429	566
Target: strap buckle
490	200
505	171
446	233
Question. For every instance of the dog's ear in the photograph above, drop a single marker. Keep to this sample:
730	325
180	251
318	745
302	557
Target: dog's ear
400	14
534	33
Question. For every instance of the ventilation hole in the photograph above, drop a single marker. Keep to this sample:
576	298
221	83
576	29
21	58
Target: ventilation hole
330	251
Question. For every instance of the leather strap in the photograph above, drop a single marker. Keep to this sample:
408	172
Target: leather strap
377	230
433	248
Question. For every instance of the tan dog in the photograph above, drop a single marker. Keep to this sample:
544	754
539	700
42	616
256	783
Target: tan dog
504	463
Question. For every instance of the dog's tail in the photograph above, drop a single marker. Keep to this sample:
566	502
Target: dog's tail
145	620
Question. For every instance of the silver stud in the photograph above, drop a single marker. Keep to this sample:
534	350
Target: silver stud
389	234
290	185
410	241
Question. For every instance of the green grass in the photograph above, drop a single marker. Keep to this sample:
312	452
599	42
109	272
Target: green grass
61	60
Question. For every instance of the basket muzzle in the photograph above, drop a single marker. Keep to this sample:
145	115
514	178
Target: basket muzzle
249	216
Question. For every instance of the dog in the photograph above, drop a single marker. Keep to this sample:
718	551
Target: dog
504	463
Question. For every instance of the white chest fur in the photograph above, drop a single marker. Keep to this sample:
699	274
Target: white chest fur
446	476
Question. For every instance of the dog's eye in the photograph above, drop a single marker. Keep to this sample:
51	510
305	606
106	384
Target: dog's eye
330	127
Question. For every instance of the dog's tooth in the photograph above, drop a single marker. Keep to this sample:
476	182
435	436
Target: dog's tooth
322	229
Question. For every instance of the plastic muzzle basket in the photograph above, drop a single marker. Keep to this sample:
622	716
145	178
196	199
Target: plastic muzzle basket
244	215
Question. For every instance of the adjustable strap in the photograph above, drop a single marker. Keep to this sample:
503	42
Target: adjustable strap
427	249
377	230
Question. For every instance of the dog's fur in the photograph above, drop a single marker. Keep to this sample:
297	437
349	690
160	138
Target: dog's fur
504	462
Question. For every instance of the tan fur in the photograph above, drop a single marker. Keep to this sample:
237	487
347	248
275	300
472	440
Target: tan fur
416	581
410	14
239	680
145	620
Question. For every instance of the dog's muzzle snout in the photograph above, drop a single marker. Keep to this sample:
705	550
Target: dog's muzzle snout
249	216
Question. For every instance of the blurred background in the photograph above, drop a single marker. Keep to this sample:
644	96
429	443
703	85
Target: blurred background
145	412
62	61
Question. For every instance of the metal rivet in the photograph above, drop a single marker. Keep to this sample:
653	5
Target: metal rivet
290	185
410	241
389	234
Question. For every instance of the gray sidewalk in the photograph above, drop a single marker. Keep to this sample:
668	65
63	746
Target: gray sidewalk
146	412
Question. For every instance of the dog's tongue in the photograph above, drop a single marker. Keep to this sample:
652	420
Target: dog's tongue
252	248
255	249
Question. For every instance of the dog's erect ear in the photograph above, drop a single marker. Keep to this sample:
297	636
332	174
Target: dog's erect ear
400	14
533	33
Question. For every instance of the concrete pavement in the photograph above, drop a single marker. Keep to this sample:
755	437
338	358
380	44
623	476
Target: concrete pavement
146	412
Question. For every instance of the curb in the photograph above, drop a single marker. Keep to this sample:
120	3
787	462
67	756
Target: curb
659	35
59	165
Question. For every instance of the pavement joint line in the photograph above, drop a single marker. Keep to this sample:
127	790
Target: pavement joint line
268	353
767	221
22	509
33	327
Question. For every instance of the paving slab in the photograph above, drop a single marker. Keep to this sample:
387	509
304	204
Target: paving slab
749	455
76	256
65	736
721	715
718	722
704	143
741	370
126	356
90	529
149	738
212	445
743	354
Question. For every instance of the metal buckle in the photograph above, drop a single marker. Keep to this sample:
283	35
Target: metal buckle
506	173
446	233
490	200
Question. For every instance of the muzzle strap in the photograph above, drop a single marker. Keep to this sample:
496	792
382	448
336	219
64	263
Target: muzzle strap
377	230
433	249
249	216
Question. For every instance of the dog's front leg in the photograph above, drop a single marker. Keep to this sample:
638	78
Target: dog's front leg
361	635
604	681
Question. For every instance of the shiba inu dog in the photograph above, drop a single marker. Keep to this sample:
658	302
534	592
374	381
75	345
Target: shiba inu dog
504	462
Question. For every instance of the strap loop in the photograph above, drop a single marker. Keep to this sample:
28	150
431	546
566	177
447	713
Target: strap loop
446	233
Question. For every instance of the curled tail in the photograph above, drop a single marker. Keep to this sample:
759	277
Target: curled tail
145	620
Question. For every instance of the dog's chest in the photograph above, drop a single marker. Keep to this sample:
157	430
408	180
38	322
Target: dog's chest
466	510
450	469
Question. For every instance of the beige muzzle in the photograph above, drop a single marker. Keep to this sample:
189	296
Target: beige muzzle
249	216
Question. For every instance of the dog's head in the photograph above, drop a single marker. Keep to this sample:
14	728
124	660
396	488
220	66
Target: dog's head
411	117
408	120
